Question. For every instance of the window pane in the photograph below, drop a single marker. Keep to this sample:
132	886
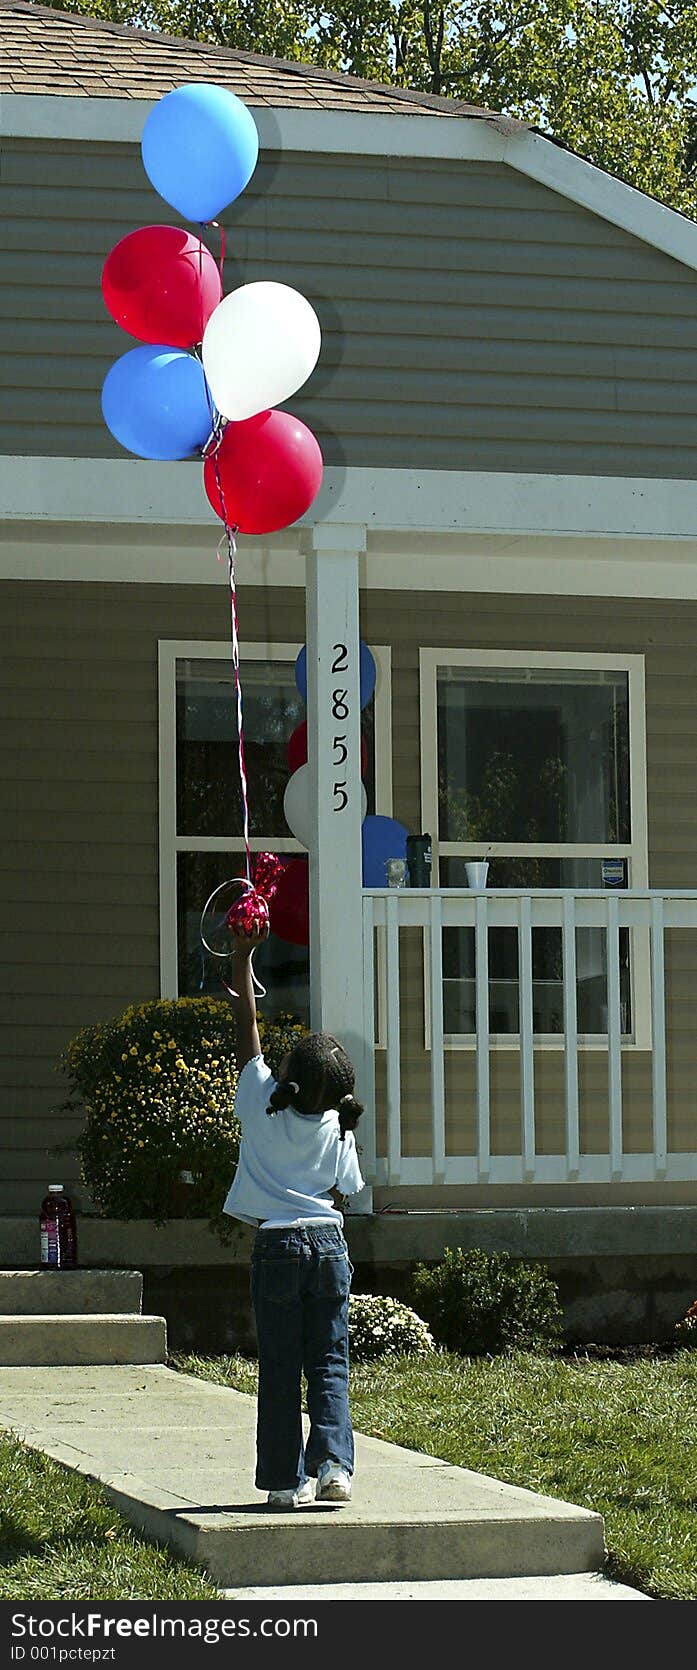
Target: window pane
547	983
209	799
531	755
283	969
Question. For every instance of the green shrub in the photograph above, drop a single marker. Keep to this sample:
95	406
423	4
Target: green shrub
481	1303
383	1327
157	1087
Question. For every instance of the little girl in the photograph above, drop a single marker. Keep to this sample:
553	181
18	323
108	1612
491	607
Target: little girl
297	1158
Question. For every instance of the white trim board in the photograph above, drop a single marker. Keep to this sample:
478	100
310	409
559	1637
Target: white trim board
455	138
128	492
527	568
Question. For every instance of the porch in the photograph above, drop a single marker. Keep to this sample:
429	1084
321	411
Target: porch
611	1105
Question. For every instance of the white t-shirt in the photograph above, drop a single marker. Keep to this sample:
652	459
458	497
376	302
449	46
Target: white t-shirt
288	1161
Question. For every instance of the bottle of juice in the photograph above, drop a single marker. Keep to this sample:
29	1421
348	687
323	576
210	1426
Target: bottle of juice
58	1230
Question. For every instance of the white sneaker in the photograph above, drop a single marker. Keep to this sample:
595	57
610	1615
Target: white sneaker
300	1498
333	1484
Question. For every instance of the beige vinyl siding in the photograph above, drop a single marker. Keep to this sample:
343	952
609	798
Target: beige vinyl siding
79	868
472	318
79	855
666	634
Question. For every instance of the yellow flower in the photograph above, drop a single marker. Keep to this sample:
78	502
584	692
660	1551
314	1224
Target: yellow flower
133	1049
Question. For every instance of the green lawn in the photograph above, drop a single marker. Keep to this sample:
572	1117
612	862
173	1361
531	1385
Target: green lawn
614	1436
61	1540
617	1437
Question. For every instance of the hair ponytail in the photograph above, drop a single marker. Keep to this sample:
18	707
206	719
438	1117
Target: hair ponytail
349	1111
283	1096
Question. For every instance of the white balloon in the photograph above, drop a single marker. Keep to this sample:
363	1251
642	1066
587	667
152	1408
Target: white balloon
260	345
296	805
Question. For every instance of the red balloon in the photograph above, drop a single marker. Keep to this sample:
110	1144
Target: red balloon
289	909
297	749
161	284
269	468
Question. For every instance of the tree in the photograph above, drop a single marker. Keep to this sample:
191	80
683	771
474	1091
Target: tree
614	80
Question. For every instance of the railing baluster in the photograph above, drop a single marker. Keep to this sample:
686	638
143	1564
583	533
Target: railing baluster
614	1039
437	1062
573	1160
482	1051
658	1040
525	1024
394	1122
368	1122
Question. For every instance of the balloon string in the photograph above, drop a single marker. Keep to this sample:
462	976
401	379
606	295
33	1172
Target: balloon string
231	554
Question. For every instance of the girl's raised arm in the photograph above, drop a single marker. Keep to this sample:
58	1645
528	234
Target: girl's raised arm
248	1043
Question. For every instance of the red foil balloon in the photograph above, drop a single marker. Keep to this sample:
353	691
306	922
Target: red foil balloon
290	906
251	911
297	749
161	284
269	468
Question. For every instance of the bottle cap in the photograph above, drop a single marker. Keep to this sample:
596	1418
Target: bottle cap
55	1188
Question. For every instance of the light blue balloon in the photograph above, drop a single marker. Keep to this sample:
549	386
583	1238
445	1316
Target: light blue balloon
368	673
200	147
155	402
382	838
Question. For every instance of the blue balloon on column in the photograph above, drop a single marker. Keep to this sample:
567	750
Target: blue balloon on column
382	838
156	404
200	147
368	673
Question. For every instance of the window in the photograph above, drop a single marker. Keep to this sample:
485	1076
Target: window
201	839
535	763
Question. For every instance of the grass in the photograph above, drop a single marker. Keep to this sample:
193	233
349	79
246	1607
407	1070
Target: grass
614	1436
61	1540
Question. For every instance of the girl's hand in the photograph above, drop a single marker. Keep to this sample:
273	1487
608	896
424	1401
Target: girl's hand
245	944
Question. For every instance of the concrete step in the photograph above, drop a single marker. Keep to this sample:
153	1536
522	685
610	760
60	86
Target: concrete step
70	1292
176	1456
43	1341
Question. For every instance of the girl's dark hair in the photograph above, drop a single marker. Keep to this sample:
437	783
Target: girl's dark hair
319	1075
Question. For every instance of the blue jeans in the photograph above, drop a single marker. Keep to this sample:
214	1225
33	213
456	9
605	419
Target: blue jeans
300	1285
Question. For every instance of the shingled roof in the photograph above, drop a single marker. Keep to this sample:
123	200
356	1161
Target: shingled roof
59	53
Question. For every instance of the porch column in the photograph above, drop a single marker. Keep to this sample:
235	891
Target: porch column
334	757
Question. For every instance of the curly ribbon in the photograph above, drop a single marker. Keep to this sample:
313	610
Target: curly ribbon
249	912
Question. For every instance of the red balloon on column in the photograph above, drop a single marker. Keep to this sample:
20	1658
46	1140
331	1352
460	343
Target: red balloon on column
265	473
297	749
161	284
289	909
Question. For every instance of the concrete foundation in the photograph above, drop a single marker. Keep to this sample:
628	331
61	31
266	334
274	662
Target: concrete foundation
626	1274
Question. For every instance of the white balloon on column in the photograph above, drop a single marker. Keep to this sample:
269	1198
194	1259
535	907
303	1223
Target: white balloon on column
296	805
260	345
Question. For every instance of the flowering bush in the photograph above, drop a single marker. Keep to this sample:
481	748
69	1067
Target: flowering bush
686	1330
157	1086
483	1303
383	1327
278	1038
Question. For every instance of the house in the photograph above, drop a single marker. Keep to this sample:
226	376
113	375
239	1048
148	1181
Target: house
508	519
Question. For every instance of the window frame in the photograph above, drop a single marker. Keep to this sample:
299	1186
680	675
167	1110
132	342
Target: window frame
635	851
170	843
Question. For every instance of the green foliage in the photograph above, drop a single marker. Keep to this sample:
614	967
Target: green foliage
611	79
383	1327
157	1087
484	1303
278	1038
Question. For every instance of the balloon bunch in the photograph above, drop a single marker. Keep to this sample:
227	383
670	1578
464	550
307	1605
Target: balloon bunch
213	367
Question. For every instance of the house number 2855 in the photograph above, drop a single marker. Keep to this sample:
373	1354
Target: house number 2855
340	713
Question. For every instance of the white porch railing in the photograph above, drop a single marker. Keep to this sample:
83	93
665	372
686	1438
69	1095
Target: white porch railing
647	915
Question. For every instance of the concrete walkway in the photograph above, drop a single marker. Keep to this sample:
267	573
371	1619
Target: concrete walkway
177	1457
584	1585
